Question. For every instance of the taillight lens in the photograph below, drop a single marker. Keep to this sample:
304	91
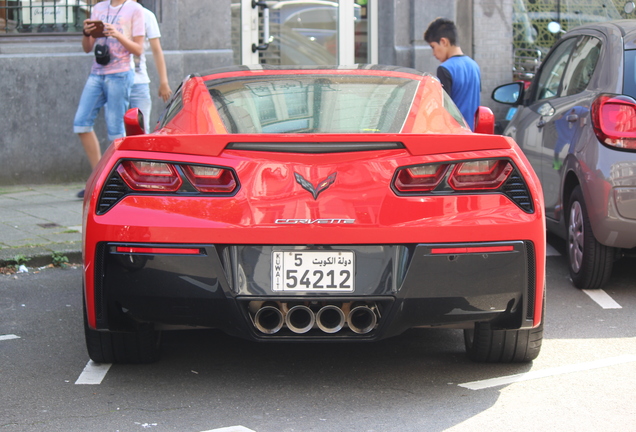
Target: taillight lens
422	178
483	174
210	179
614	120
480	175
150	176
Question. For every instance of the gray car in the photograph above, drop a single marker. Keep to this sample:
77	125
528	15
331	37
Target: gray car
576	124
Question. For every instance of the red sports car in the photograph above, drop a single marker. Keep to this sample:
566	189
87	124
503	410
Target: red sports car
313	204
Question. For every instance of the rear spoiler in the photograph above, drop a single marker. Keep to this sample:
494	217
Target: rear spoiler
214	145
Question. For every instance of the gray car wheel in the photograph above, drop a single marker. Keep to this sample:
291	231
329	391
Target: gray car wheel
590	262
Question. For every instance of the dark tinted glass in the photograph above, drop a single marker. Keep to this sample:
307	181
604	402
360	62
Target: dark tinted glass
581	66
549	82
313	103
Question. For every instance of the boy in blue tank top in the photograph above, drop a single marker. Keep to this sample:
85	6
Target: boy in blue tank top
458	73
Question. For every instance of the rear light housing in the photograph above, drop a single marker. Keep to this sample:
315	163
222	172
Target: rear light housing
487	174
462	177
422	178
210	179
161	177
614	121
150	176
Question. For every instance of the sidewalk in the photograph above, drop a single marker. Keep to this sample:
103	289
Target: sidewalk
38	220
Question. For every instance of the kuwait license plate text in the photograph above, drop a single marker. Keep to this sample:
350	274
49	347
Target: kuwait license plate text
313	271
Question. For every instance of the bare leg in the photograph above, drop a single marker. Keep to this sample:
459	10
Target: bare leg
91	146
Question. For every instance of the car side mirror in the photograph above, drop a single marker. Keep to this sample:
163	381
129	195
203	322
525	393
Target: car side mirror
484	121
509	94
134	122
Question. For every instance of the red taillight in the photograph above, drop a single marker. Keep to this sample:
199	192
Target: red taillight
210	179
614	120
423	178
155	251
150	176
480	174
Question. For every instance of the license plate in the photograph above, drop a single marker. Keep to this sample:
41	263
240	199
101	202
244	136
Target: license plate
313	271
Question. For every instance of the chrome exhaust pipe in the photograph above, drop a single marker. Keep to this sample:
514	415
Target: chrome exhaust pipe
362	319
268	319
300	319
330	319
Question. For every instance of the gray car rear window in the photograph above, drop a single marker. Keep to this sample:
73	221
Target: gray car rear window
629	85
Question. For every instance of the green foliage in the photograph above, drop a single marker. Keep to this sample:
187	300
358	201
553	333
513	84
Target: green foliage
59	259
20	260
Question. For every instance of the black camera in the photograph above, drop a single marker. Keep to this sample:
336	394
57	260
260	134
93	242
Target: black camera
102	54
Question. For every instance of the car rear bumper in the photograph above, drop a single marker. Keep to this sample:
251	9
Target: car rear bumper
402	286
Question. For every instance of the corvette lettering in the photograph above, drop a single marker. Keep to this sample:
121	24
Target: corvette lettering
313	221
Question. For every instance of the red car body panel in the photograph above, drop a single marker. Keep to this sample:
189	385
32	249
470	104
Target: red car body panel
349	198
268	183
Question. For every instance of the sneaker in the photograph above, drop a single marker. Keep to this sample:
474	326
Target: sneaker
80	194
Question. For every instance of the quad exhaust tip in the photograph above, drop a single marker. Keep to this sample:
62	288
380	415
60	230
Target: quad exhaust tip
270	317
330	319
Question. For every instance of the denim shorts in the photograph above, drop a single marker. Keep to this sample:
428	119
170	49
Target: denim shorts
140	98
98	90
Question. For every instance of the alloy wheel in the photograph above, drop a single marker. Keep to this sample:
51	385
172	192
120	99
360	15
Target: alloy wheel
576	236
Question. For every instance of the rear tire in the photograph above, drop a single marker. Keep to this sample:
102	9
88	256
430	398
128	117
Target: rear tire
589	261
487	345
142	346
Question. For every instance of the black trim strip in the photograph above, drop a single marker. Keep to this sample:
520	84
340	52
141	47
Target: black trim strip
316	147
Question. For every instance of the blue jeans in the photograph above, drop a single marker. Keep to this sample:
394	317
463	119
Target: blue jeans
98	90
140	98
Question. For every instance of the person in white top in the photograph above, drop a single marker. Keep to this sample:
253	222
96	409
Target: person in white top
140	94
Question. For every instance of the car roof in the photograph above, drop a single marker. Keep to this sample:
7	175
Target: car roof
335	68
627	29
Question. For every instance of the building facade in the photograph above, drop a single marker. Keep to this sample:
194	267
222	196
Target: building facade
42	73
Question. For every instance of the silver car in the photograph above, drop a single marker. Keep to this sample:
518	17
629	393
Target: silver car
576	124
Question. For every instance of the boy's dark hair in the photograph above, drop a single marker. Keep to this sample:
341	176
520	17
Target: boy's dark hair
441	28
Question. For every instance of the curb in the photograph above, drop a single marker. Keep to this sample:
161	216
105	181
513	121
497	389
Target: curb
39	256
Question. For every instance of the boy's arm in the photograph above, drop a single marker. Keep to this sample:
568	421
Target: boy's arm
160	63
445	78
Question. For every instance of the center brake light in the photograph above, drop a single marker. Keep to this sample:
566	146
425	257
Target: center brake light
614	120
154	176
483	175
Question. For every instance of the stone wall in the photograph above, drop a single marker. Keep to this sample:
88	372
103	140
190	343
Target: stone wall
42	79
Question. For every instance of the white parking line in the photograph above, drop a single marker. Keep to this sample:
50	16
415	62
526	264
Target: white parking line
93	373
602	298
231	429
8	337
494	382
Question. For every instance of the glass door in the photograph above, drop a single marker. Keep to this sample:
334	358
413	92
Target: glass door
304	32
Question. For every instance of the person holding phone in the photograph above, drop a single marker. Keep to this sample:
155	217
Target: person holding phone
111	76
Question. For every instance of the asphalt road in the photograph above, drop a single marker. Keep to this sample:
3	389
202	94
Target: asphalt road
583	380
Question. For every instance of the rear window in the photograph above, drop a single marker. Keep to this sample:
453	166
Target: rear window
313	103
629	85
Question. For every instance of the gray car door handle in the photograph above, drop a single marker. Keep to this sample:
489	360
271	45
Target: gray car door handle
572	118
